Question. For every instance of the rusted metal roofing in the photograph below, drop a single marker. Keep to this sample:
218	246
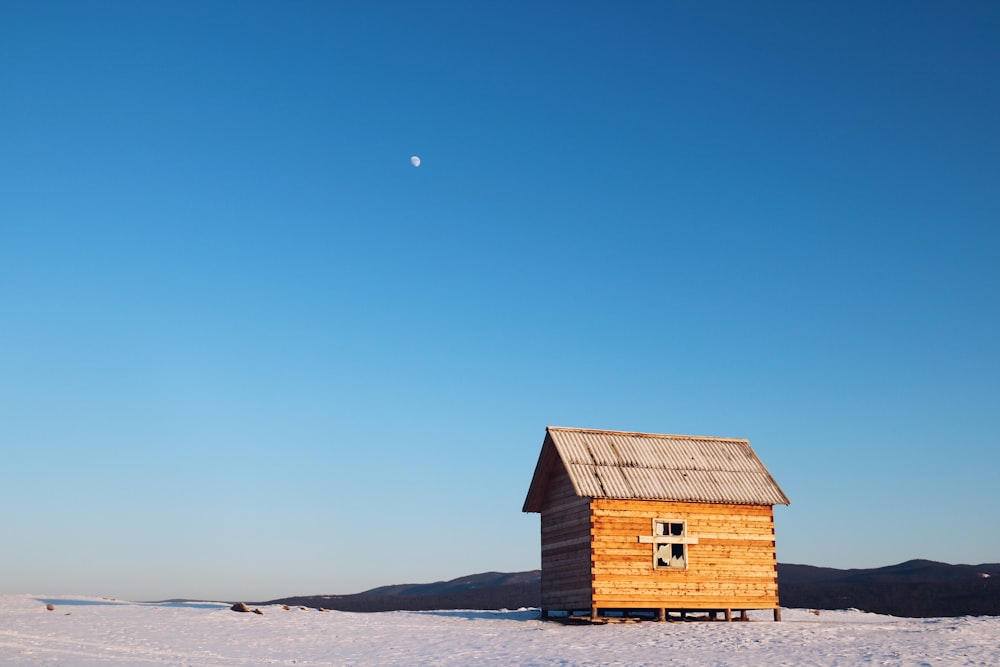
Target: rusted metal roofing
648	466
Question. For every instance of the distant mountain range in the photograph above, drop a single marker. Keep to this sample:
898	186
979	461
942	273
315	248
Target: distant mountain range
916	588
489	590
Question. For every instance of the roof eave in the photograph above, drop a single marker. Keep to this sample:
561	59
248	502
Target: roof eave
536	491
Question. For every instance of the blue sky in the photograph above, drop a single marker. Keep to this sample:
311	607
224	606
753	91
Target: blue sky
248	351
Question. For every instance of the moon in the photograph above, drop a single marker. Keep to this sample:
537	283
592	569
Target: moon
415	161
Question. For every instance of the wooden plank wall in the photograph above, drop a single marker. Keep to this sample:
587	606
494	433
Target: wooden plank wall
566	568
733	565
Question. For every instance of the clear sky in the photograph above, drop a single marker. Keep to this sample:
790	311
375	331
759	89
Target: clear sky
247	350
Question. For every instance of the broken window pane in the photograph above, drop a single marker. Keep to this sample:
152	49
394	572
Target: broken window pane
677	555
663	555
670	555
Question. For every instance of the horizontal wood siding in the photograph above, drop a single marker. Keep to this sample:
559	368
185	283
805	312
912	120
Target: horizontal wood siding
566	566
733	565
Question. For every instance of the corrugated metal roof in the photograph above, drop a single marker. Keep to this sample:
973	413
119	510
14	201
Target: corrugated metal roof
648	466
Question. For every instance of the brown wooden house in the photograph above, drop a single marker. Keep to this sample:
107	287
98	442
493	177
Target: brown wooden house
646	524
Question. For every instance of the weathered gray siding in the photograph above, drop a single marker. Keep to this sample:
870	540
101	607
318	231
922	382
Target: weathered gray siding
566	566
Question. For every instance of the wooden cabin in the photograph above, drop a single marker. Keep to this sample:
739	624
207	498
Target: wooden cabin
639	524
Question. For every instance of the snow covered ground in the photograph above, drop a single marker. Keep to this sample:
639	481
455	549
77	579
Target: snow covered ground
89	631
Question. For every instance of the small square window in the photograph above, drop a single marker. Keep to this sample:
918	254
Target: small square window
669	545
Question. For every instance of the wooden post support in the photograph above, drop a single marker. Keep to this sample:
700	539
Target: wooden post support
777	613
661	614
729	615
743	615
593	613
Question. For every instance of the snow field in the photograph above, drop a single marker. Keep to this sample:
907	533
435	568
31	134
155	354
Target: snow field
88	631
